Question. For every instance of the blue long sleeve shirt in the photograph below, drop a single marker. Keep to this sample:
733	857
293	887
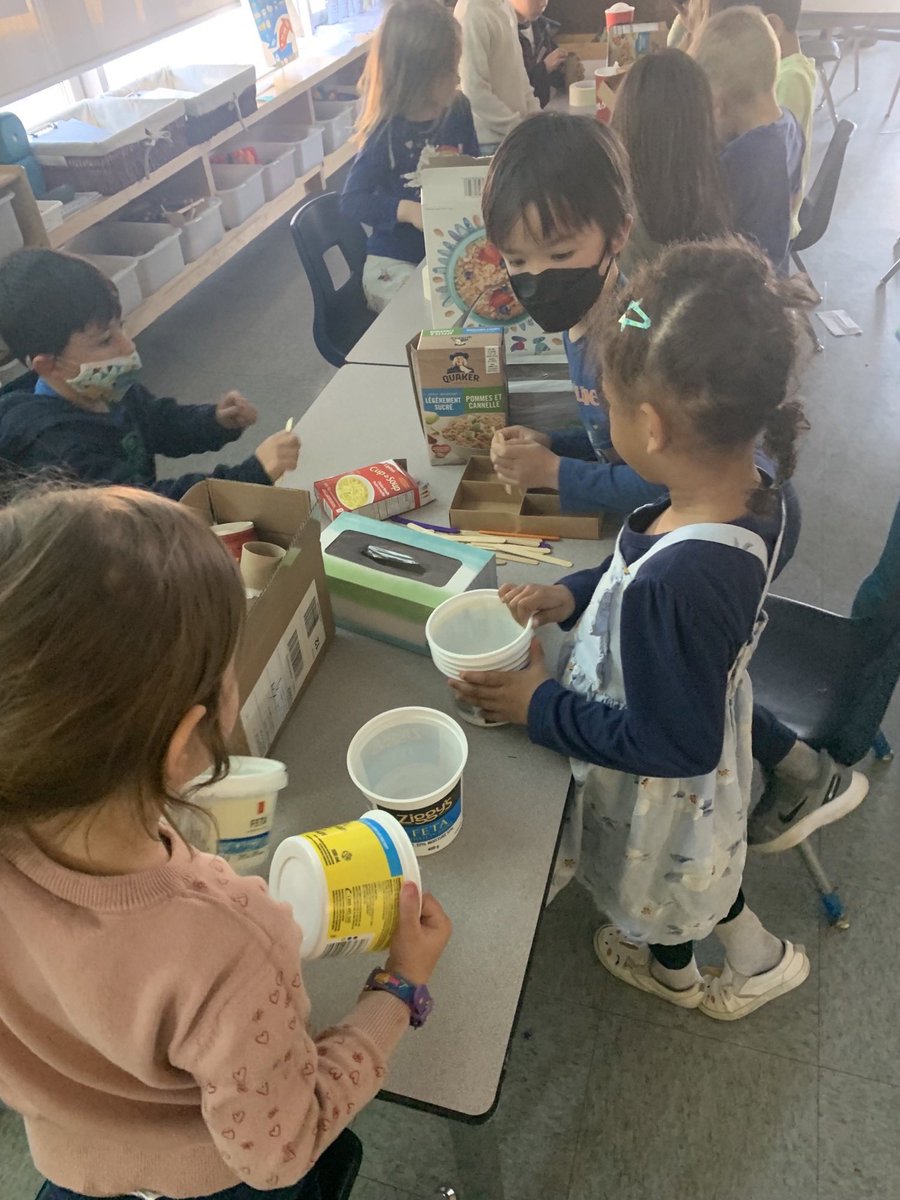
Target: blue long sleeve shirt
684	618
763	171
377	180
40	429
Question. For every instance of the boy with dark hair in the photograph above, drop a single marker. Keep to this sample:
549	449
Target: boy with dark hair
544	61
795	87
763	144
79	411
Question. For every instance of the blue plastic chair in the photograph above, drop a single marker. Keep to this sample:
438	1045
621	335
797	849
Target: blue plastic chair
341	315
831	678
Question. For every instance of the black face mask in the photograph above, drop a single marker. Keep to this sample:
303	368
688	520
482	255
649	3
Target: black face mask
560	297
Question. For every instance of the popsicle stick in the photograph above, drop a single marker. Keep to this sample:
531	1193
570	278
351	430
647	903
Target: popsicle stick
520	537
502	547
290	425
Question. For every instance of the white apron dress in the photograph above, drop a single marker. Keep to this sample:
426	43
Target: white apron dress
663	858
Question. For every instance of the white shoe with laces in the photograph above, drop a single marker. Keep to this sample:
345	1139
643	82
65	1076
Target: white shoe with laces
730	996
631	963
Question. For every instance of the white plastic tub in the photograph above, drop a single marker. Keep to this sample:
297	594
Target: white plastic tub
202	231
243	804
122	270
276	160
409	762
157	248
241	191
336	118
51	213
306	141
10	234
344	883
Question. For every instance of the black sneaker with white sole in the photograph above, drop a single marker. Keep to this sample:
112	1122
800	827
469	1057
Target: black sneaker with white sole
790	810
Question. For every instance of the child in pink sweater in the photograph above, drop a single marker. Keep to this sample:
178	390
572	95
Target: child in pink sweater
153	1019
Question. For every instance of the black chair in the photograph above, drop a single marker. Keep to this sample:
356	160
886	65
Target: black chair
824	51
341	315
830	678
815	211
337	1168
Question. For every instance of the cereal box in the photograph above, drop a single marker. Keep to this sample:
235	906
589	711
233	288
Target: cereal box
459	377
627	43
468	280
381	490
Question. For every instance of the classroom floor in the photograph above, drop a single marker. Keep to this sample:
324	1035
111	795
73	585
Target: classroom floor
611	1093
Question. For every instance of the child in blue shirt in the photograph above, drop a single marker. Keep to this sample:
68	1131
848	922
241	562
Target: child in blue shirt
80	412
557	204
411	109
763	144
654	704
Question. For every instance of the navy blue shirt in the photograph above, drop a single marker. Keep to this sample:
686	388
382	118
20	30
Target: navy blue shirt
763	171
40	429
376	183
685	616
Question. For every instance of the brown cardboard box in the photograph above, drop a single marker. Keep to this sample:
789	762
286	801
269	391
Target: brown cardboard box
459	381
289	627
483	502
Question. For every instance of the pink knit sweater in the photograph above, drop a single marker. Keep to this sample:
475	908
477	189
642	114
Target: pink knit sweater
153	1029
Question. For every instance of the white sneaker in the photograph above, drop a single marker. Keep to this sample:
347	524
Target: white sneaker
730	996
631	963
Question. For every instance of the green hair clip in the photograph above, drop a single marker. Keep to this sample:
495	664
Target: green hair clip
634	307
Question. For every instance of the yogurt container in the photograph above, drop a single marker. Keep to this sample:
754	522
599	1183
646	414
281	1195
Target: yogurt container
409	762
243	805
343	884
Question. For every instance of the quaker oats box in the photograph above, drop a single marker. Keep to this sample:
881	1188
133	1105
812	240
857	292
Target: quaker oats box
459	379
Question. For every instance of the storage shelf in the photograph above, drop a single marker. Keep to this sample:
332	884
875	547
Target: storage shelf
292	81
234	241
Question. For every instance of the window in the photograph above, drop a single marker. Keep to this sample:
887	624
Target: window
43	106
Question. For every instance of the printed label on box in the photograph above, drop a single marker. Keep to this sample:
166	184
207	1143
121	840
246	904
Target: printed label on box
461	387
265	709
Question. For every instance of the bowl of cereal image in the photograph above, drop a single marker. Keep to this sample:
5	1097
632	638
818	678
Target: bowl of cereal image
471	277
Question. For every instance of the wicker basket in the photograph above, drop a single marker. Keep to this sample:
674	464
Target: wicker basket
110	173
201	129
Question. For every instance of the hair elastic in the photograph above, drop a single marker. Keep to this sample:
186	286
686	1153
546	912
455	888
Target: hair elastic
634	307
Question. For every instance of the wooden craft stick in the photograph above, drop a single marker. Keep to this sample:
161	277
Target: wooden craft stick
521	537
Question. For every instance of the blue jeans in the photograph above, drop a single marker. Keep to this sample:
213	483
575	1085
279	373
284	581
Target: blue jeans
306	1189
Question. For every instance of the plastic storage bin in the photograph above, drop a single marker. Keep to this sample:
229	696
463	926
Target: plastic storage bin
157	249
122	270
201	231
51	213
336	118
10	233
213	97
276	160
106	144
241	191
306	140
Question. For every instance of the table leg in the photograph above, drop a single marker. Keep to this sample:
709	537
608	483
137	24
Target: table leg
477	1161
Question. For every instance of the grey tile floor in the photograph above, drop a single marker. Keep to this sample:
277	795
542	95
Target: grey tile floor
610	1094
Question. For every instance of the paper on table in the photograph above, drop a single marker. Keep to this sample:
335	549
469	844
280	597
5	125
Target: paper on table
839	323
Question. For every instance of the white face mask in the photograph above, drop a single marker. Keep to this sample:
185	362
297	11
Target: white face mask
106	380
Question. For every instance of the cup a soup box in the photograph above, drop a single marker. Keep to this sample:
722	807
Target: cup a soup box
468	280
382	490
459	379
387	579
290	625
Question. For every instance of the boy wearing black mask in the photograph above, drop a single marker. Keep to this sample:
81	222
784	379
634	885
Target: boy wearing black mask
557	204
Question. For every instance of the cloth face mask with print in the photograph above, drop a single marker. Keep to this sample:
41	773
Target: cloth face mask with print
108	379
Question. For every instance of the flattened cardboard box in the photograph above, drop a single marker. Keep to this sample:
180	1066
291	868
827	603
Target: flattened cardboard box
468	281
290	626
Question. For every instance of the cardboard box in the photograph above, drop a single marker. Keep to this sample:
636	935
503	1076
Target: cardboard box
627	43
459	382
483	502
386	580
469	283
290	626
381	490
607	82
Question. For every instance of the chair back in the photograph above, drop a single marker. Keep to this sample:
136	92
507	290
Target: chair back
815	211
340	313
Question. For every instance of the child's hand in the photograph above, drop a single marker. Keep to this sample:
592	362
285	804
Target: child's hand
525	463
235	412
554	60
504	695
419	941
545	604
521	433
409	212
279	453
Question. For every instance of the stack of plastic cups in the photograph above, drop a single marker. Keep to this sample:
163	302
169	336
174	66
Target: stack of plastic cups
475	631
